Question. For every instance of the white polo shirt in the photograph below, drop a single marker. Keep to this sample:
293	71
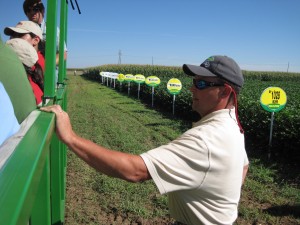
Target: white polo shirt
202	170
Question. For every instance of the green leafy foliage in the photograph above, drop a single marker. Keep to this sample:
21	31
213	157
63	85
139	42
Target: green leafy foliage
270	194
255	121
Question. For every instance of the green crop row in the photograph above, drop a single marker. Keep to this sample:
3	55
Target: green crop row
255	121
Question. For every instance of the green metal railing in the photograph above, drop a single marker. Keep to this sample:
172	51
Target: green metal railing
32	180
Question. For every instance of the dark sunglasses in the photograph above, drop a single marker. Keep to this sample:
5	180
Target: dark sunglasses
35	9
201	84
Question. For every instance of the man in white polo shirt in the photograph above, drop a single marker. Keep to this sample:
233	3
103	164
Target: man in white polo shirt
203	170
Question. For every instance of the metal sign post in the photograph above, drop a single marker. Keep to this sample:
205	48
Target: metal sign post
139	79
128	79
152	81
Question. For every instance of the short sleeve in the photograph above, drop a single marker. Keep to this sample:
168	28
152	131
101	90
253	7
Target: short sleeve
180	165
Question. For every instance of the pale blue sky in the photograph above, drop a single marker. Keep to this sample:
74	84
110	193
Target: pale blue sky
258	34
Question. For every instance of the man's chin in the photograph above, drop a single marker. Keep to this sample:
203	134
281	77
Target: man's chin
34	19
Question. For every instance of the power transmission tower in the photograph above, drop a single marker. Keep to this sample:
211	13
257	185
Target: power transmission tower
120	55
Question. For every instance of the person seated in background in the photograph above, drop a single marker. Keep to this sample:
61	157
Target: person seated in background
30	32
9	123
28	56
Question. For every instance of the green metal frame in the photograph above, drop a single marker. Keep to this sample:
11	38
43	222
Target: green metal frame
33	179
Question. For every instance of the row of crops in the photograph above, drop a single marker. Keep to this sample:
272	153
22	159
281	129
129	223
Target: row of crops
255	121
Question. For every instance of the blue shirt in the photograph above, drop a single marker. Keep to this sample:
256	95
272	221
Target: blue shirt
9	124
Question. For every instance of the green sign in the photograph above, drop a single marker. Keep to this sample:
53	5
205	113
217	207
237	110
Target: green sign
152	81
174	86
273	99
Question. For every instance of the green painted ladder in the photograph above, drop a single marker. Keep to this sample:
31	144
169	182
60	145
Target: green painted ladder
33	179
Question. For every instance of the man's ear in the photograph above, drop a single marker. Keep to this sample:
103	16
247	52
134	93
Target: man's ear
227	90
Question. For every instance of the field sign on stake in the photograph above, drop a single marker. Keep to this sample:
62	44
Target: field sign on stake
152	81
273	99
174	87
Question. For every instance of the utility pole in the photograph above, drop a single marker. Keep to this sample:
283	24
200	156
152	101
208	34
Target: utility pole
120	55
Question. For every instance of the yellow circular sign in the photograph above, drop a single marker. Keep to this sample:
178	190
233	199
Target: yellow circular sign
174	86
273	99
152	81
139	78
121	77
129	77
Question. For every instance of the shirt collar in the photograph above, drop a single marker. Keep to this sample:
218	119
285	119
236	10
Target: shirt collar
216	114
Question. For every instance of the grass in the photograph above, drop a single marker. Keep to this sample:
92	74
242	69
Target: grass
119	122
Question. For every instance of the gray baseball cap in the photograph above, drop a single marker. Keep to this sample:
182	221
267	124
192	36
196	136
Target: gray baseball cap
223	67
